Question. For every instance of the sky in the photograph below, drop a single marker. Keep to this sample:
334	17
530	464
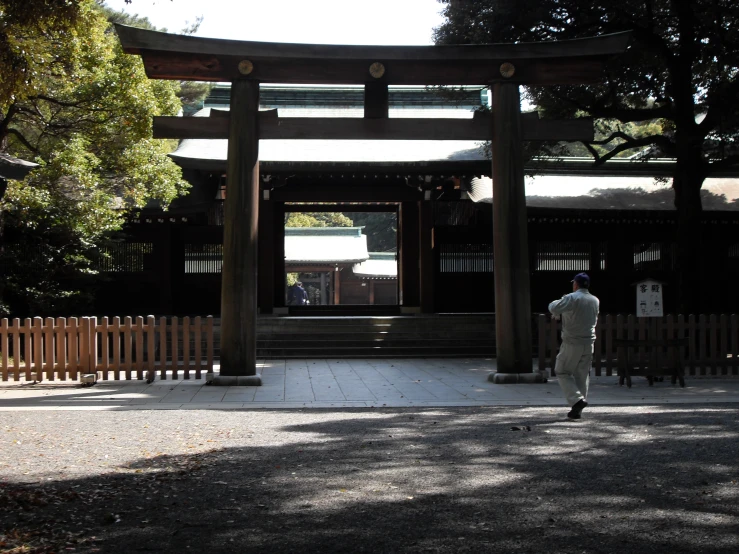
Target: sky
398	22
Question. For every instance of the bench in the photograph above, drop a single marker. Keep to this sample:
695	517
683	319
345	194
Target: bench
625	352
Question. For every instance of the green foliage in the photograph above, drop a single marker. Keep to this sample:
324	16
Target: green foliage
317	219
190	93
31	31
381	229
673	93
83	112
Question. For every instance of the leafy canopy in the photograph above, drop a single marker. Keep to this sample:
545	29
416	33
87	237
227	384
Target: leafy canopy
82	109
679	77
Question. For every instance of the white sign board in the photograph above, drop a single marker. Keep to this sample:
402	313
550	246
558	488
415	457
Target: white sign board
649	299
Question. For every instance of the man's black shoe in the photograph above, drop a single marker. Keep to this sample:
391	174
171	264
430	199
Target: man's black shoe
576	411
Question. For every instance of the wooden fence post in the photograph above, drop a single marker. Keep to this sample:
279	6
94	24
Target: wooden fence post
4	353
38	348
175	347
93	367
115	332
609	343
28	348
139	347
198	347
553	345
723	348
734	334
598	345
163	348
186	346
542	325
150	347
49	344
105	347
127	348
84	345
61	348
72	340
209	342
16	349
713	343
703	343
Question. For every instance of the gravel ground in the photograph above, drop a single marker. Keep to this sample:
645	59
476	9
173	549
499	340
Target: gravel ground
624	479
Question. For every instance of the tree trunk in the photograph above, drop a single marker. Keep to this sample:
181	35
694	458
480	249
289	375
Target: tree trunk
687	182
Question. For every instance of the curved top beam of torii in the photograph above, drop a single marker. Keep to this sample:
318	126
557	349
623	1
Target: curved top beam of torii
170	56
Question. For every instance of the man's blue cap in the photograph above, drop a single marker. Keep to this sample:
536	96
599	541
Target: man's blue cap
582	280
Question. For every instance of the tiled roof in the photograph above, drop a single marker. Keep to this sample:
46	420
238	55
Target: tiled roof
325	245
338	151
14	168
382	265
342	151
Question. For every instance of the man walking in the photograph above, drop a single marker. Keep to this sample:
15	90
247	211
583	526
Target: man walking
579	311
300	295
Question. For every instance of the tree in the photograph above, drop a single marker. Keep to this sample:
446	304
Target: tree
381	229
190	93
82	109
681	72
317	219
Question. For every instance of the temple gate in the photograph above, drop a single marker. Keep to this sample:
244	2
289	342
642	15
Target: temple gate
503	67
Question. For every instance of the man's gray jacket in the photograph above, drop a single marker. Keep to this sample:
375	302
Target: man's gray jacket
579	311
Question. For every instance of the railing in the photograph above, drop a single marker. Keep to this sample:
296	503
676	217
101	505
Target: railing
128	348
712	342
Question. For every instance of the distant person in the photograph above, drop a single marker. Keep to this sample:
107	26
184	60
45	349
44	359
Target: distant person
579	311
297	295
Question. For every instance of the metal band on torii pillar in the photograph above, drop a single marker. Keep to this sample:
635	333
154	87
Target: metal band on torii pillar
510	242
241	214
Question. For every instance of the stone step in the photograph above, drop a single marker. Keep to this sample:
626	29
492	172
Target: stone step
415	342
376	352
373	336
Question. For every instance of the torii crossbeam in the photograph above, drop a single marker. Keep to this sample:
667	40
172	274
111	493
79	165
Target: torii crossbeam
247	64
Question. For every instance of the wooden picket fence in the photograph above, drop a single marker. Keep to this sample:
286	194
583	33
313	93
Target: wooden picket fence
712	342
128	348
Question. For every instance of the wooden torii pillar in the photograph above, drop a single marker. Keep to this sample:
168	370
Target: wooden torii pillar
246	64
241	219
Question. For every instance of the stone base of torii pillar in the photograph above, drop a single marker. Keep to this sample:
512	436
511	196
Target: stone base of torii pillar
514	378
233	380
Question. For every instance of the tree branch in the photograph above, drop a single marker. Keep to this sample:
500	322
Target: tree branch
615	135
17	134
55	101
659	140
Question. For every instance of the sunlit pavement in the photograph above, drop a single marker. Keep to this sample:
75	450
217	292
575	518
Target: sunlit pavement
357	384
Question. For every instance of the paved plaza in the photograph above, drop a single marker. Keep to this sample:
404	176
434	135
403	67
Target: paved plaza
392	383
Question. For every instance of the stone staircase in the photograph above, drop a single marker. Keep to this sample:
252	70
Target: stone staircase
376	336
417	336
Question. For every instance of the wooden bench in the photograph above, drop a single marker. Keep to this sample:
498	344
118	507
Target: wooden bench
625	353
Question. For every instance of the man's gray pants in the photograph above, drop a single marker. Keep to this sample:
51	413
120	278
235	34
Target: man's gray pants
573	370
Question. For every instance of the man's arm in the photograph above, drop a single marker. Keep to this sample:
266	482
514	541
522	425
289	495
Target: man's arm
562	305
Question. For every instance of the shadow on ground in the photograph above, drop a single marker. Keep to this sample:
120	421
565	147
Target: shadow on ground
637	479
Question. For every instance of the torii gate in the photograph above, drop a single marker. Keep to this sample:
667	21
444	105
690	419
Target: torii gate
247	64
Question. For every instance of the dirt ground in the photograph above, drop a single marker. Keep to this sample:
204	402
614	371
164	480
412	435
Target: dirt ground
622	479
